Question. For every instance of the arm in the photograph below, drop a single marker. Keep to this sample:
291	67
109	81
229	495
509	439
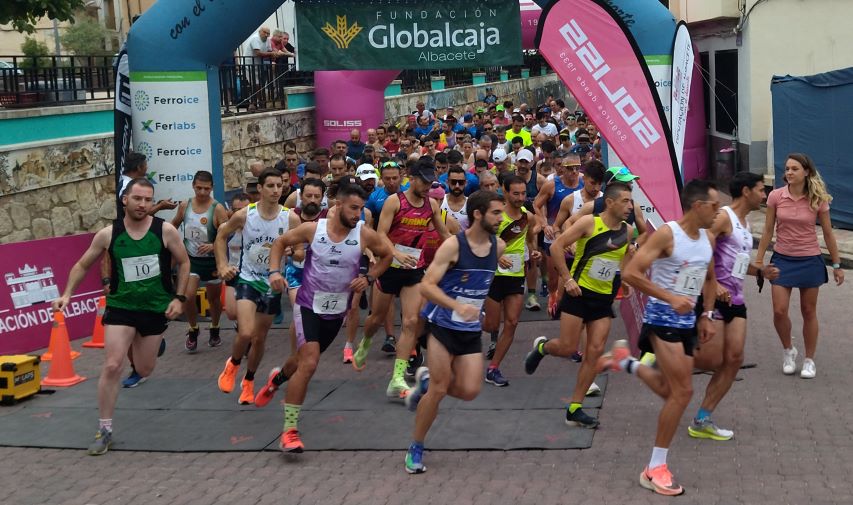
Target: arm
368	217
640	224
586	210
766	235
659	245
166	204
831	244
540	204
453	226
532	243
179	215
175	245
297	252
705	325
302	234
225	271
382	253
100	243
565	211
437	221
290	202
580	229
106	272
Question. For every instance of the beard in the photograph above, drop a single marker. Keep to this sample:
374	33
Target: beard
456	191
345	222
311	208
488	228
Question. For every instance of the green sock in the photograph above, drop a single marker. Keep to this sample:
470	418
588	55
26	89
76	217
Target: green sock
291	415
574	406
400	368
541	348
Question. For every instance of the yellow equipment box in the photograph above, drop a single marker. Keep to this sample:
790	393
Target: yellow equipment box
20	377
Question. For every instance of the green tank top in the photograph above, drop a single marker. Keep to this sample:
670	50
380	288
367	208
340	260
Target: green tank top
141	277
597	257
514	233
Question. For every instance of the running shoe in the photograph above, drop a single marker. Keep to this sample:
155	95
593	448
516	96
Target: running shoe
103	440
809	370
347	354
593	390
397	389
215	340
268	391
495	377
419	389
553	310
706	428
279	318
133	380
659	479
531	361
577	357
490	353
390	345
228	376
610	360
532	303
191	344
162	350
789	361
414	459
247	392
580	418
359	357
290	441
416	359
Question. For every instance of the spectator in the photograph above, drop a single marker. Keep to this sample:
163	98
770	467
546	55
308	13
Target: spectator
544	125
392	145
355	147
490	98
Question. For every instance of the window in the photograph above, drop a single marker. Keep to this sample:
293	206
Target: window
725	89
705	68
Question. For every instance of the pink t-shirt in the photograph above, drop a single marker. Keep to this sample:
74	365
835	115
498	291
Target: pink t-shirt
795	223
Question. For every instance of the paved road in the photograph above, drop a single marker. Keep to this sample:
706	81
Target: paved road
793	443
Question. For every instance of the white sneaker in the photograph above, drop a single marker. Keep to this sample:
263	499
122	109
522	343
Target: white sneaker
789	363
532	303
809	371
593	390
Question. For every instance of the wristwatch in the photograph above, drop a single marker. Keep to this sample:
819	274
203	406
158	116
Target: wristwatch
105	281
180	298
369	278
709	314
836	266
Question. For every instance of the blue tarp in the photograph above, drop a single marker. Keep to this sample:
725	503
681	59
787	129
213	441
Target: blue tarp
814	115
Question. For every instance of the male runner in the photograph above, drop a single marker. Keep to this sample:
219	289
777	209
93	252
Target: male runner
201	217
257	303
456	284
591	286
454	202
330	277
405	217
724	353
593	178
235	250
518	230
534	182
680	255
141	300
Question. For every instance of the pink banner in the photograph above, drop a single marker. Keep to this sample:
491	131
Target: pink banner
600	63
530	13
35	273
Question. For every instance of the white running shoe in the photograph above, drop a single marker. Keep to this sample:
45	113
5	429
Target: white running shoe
789	363
809	371
593	390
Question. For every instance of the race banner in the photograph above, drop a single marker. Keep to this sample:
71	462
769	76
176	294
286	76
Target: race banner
397	34
596	56
122	120
682	74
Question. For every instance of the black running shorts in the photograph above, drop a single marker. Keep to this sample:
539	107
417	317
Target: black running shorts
395	279
145	322
687	336
457	343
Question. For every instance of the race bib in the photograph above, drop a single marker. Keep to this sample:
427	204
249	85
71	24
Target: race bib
140	268
603	270
516	266
411	251
197	234
259	255
741	266
330	303
467	301
690	280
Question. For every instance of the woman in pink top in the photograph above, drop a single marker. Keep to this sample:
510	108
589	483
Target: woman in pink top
792	211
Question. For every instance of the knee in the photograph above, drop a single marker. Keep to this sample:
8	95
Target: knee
307	365
809	312
410	321
437	389
733	360
114	368
594	349
469	392
511	323
681	394
780	312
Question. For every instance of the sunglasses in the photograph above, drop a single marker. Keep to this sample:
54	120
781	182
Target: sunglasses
456	182
392	164
487	129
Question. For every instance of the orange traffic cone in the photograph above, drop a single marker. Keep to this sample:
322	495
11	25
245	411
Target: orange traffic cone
98	330
61	369
619	295
51	347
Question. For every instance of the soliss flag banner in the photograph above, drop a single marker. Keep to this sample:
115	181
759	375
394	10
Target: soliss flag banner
401	34
596	56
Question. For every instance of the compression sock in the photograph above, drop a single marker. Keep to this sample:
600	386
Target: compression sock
250	375
703	414
658	457
400	366
291	415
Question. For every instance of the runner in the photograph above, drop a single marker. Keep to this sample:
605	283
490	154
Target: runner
456	284
331	275
201	216
235	249
724	353
534	182
680	256
454	202
312	171
518	231
591	286
257	303
405	217
141	300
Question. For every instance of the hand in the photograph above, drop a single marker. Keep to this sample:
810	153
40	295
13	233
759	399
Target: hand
504	263
277	282
723	294
167	204
205	248
626	290
175	308
468	312
60	303
839	276
682	304
770	272
227	273
707	330
549	232
406	260
535	255
359	284
572	288
106	289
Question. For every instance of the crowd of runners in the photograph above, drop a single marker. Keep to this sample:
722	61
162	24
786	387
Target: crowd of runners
459	219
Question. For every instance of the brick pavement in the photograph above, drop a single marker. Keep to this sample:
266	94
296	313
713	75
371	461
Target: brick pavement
792	444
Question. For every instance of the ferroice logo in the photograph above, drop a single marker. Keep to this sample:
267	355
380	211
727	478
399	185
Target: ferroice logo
141	100
343	34
146	149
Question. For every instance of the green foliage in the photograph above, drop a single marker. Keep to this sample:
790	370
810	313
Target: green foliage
86	37
23	14
34	50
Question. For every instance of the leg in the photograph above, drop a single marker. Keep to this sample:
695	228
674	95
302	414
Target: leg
294	344
263	322
467	373
246	310
410	301
380	312
117	341
297	387
190	308
440	376
570	328
214	297
512	310
808	307
677	368
781	301
492	319
230	303
597	332
734	336
709	356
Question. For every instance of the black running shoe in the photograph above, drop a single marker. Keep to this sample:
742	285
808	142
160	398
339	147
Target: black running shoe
191	344
390	345
215	340
580	418
531	361
415	362
490	353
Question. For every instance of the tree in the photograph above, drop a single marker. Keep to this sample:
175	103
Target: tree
23	14
86	37
34	50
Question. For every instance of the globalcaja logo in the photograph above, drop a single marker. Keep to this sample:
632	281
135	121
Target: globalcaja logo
146	125
141	100
146	149
343	34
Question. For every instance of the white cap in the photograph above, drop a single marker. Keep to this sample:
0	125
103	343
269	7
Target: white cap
516	110
366	171
499	155
525	155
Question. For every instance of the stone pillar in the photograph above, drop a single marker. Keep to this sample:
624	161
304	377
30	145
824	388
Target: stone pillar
437	82
525	73
504	75
478	78
395	88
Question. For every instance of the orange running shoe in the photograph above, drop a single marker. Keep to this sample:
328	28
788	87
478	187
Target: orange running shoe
228	376
659	480
247	392
290	441
347	354
268	391
610	360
